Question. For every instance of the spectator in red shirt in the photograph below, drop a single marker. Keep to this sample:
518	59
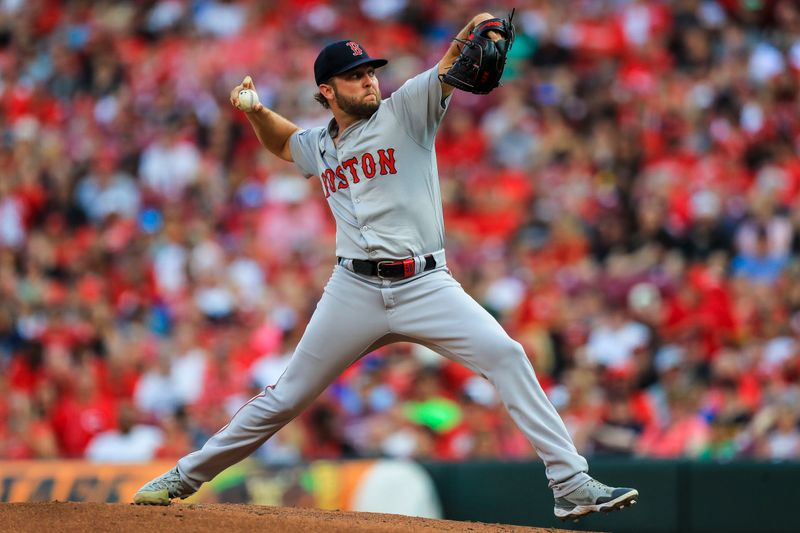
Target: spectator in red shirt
81	414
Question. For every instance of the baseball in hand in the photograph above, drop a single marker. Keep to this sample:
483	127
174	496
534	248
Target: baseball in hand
248	99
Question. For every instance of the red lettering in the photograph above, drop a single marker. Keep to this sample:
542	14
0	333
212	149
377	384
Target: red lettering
342	178
327	178
387	161
355	48
350	165
408	267
368	165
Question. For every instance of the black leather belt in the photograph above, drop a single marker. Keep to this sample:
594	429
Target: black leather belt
390	269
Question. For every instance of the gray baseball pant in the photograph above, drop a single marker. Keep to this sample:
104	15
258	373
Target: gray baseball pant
359	314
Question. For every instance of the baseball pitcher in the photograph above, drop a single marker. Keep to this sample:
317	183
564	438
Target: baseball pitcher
376	165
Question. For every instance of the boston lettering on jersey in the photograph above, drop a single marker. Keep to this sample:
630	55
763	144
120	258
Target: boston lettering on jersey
369	164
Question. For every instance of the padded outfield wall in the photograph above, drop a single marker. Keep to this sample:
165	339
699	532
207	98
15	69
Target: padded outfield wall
675	496
681	496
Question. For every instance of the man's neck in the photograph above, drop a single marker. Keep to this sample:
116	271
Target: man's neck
342	122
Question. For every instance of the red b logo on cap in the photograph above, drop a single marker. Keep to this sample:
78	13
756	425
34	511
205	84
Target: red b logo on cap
357	51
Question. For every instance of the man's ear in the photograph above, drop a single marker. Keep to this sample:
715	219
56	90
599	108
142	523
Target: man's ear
326	90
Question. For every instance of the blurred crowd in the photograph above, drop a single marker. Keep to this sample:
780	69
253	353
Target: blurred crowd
626	205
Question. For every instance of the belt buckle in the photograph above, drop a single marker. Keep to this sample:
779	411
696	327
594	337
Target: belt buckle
378	269
408	268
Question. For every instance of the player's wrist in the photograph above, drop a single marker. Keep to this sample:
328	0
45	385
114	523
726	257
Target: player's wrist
258	113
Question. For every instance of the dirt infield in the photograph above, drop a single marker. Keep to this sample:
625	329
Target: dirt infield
71	517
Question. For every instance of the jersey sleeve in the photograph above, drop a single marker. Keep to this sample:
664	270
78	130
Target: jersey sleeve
304	146
419	107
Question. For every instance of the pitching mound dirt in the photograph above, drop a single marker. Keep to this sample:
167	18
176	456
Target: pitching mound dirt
68	517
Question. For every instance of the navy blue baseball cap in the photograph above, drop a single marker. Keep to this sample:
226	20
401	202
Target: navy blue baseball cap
342	56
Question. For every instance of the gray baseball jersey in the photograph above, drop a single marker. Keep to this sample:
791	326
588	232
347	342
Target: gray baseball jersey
381	183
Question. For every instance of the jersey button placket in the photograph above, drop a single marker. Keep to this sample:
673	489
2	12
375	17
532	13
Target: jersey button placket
367	237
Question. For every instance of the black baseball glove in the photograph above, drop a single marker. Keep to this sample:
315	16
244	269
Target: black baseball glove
480	65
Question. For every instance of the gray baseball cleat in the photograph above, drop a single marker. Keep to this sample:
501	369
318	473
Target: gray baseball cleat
593	497
161	490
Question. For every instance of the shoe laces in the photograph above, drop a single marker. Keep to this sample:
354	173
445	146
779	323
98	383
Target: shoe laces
593	486
169	480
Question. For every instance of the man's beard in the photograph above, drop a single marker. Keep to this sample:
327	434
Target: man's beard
357	107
